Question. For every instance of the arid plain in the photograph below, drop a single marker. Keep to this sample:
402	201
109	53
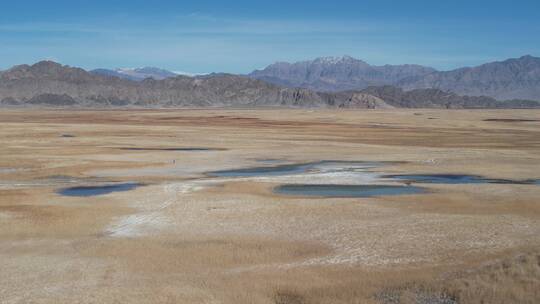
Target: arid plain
189	233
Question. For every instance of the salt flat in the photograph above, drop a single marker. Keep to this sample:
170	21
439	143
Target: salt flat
188	236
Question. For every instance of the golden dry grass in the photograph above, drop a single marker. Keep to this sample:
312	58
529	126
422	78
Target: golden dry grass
236	241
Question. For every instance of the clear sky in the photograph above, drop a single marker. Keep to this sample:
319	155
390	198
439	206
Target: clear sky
239	36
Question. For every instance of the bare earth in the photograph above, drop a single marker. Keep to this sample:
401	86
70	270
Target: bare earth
188	237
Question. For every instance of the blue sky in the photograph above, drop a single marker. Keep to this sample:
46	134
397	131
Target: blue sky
239	36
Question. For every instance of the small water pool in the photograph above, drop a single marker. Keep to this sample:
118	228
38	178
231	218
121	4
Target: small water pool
455	179
194	149
10	170
83	191
511	120
271	161
343	191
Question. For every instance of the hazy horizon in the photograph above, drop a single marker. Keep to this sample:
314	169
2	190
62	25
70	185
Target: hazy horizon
242	36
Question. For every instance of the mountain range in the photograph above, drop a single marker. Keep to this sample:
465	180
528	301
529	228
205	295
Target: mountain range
337	74
517	78
48	83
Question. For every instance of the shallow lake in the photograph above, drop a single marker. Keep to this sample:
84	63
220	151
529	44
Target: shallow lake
346	190
97	190
455	179
195	149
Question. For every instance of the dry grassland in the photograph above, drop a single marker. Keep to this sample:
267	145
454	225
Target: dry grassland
188	237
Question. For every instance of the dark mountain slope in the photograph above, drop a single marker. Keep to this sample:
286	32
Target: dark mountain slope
336	74
510	79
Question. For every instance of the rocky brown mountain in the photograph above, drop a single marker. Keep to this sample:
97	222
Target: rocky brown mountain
48	83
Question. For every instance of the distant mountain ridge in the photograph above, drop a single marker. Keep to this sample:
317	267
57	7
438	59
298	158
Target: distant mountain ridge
48	83
517	78
51	84
136	74
336	74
